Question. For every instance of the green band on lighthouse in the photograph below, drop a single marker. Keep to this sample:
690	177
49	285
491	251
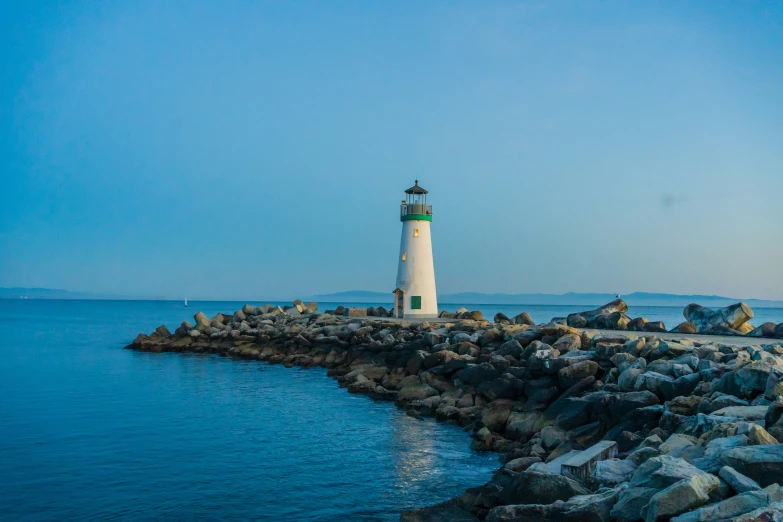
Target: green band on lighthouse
416	217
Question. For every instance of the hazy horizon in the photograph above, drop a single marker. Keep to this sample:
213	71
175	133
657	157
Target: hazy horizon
234	148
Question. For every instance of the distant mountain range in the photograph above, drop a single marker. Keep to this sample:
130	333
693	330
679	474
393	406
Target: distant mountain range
463	298
570	298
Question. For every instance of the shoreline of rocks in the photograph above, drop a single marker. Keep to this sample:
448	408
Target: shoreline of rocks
589	426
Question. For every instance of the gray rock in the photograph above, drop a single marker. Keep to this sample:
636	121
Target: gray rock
522	426
764	464
771	513
415	392
580	508
661	472
495	415
726	509
444	512
631	502
612	472
737	481
202	321
754	376
682	496
535	487
774	386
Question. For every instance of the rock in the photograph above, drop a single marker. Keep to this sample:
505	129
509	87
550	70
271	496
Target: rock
637	324
495	415
163	331
535	487
567	343
477	373
779	331
774	412
750	413
512	348
732	316
656	326
737	481
661	472
415	392
202	322
771	513
580	508
444	512
524	318
758	436
552	436
687	328
765	330
631	502
764	464
774	386
521	464
727	509
613	471
682	446
682	496
522	426
574	373
688	405
356	312
501	318
754	376
239	316
591	315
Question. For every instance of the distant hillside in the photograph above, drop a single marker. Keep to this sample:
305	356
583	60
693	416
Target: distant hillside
570	298
51	293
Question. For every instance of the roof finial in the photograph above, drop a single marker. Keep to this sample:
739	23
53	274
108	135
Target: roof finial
417	181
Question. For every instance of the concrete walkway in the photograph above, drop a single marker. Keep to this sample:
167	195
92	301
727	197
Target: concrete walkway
703	339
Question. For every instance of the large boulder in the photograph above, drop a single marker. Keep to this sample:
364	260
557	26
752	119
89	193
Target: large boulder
415	392
588	318
495	415
580	508
202	322
661	472
537	487
684	495
522	426
447	511
574	373
764	464
754	376
706	319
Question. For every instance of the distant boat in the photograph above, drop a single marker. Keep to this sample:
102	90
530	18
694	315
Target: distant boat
186	302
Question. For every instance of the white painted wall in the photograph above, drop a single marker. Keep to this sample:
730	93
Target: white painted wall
416	275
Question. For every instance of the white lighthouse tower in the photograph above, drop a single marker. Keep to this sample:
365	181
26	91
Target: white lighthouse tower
415	295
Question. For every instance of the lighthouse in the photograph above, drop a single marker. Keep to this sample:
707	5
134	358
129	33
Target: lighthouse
414	296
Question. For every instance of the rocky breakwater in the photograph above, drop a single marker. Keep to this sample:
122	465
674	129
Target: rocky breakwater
589	427
732	320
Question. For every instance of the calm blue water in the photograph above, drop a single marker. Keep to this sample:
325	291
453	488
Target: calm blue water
89	431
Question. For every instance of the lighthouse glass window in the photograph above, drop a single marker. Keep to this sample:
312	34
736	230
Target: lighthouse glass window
415	232
415	302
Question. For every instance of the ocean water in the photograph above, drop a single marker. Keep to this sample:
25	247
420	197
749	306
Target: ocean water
89	431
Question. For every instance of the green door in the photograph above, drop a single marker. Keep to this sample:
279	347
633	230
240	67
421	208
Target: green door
415	302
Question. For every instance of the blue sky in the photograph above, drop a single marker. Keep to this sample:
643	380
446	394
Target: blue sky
260	149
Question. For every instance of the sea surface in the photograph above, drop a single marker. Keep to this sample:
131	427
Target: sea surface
90	431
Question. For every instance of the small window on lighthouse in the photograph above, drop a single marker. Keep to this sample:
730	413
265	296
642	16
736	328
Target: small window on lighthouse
415	232
403	256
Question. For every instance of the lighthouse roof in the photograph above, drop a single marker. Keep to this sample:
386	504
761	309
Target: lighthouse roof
416	189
